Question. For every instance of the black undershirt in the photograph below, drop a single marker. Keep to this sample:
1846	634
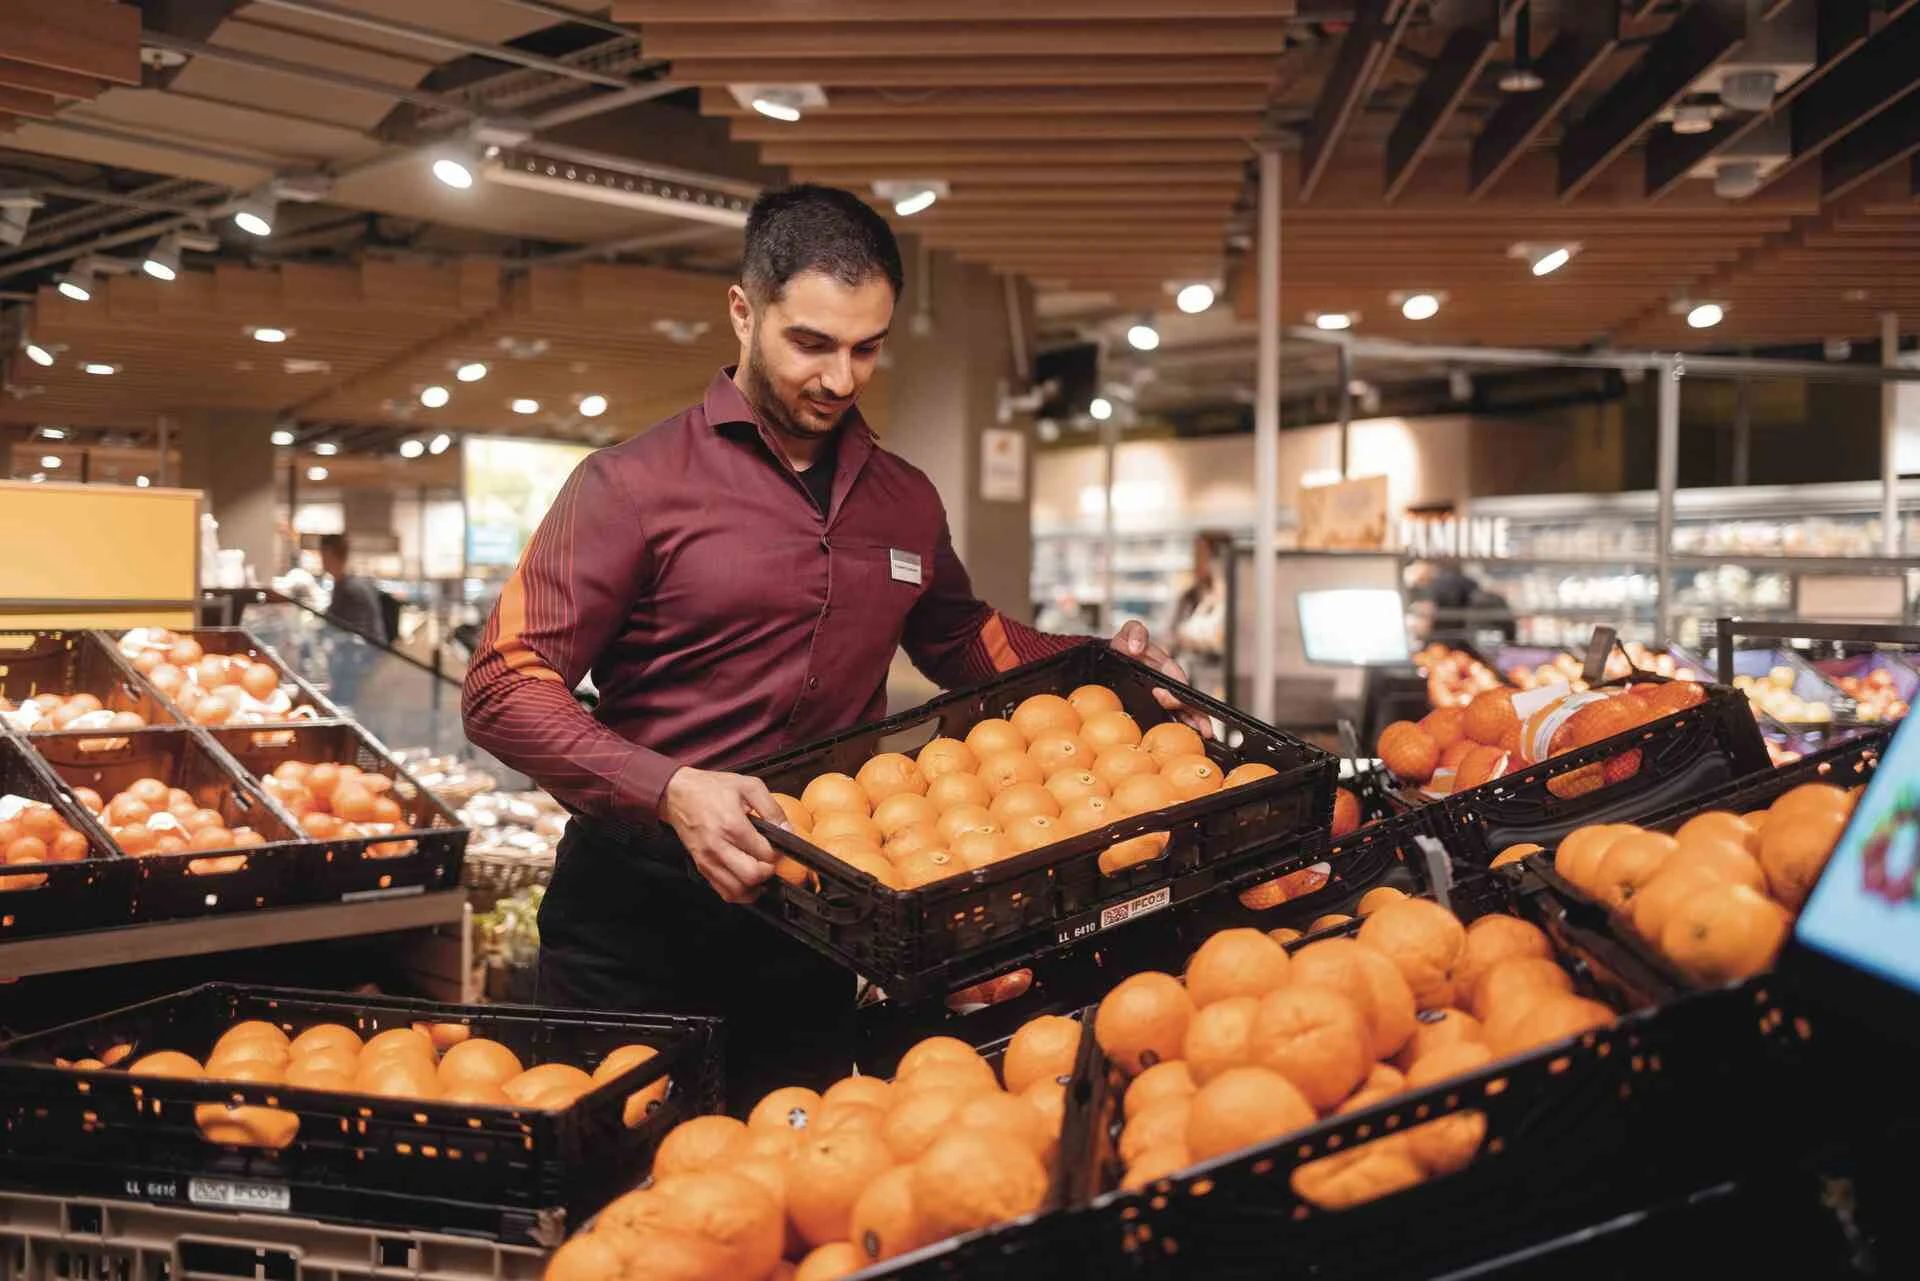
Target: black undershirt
819	478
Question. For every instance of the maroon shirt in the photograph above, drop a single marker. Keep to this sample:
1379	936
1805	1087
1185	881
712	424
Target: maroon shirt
724	616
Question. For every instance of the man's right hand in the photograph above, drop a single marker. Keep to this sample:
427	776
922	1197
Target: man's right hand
710	812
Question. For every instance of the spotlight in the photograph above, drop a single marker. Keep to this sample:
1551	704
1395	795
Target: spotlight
267	333
1521	77
471	372
1101	409
1420	307
53	433
454	172
1194	299
316	473
254	214
36	353
439	444
282	437
99	369
435	397
1551	261
141	481
1333	320
1691	119
412	448
593	406
1143	337
77	285
524	405
163	260
778	104
50	461
326	449
1706	315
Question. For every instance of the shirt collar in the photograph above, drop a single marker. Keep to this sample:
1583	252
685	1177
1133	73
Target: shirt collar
725	406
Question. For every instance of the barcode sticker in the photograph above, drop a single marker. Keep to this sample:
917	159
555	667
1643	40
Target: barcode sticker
1120	913
231	1194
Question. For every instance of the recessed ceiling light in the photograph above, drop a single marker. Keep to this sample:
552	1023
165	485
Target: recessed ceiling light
141	481
267	333
316	473
163	260
77	285
282	437
453	172
1333	320
37	354
412	448
326	449
254	214
1552	260
435	397
53	433
525	405
471	372
1101	409
439	444
99	369
1194	299
50	461
1143	337
1420	306
778	104
1706	315
593	406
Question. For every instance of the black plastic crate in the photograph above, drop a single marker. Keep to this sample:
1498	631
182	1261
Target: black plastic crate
91	893
505	1173
197	883
1680	757
76	662
941	937
308	703
424	854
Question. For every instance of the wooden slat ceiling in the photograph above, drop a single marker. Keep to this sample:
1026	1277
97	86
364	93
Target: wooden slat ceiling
55	54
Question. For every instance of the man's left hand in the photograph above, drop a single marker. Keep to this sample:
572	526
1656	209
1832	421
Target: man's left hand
1133	641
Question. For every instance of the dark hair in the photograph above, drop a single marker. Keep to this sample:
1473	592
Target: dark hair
823	229
335	543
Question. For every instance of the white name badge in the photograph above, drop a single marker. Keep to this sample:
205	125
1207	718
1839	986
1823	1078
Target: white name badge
906	566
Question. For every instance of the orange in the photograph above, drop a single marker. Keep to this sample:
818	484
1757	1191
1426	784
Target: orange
1728	861
917	1119
1034	832
964	1076
863	856
1045	714
733	1214
1811	798
1109	730
798	818
791	1107
1628	864
479	1060
1048	1097
325	1036
936	1049
1795	847
1091	700
1023	800
699	1143
549	1085
1481	765
1518	981
1054	753
1171	1079
1515	853
1251	772
944	756
1577	858
958	791
1008	1114
992	738
1160	1125
890	774
838	823
909	841
1553	1018
1243	1107
1156	1164
1170	740
1446	1061
1009	769
1143	1021
1367	1173
1346	814
826	1175
1409	753
1115	765
885	1223
1087	814
1386	1078
1492	939
962	819
1445	725
1363	1098
1132	853
1072	785
1314	1037
1328	921
1043	1049
1190	777
982	849
835	794
1662	896
1236	962
1219	1037
1369	981
1142	793
925	867
1449	1143
1725	933
974	1179
1423	940
1375	899
165	1063
830	1262
907	809
1489	717
834	1116
1718	825
1285	935
870	1090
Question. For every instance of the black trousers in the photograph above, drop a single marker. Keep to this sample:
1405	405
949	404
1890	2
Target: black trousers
625	926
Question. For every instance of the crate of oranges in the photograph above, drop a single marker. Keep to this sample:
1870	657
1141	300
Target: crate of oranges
201	838
502	1122
221	676
1051	803
1413	1091
380	830
57	874
53	681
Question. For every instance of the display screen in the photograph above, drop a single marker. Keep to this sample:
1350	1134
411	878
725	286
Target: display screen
509	484
1865	910
1354	627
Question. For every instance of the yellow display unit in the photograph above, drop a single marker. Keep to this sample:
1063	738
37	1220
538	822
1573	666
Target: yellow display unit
98	556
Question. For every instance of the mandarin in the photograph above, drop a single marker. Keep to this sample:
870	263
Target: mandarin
961	819
1088	814
1243	1107
890	774
1220	1036
974	1179
1023	800
990	738
1091	700
1628	864
1144	1020
944	756
1494	938
1108	730
1043	1049
1235	962
977	849
1316	1038
1170	740
1725	933
1055	753
1115	765
884	1223
1423	940
1162	1124
958	791
1007	770
1191	776
1142	794
1251	772
1369	981
1072	785
1045	714
907	809
837	824
1171	1079
826	1175
1515	983
835	794
1795	847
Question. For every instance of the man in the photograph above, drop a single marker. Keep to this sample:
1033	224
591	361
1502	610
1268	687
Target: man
737	580
356	602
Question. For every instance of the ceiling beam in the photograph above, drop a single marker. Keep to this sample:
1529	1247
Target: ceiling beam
1841	27
923	159
1462	60
95	38
1875	79
775	12
799	44
61	84
1703	35
1866	152
1519	122
919	70
1036	126
848	104
1135	176
1364	53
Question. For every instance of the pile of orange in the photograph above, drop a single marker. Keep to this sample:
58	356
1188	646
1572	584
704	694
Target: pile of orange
1716	897
48	711
147	818
1255	1042
1055	769
212	689
814	1186
335	802
36	834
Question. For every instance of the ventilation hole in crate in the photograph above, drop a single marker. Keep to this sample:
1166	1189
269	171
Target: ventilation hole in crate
1803	1029
1654	1062
1130	1213
1263	1166
1363	1133
1301	1213
419	1118
1169	1246
6	921
1496	1146
1333	1142
1392	1122
1495	1087
84	1219
84	1087
1304	1151
429	1151
1604	1048
395	1252
474	1122
1159	1202
404	1149
1559	1065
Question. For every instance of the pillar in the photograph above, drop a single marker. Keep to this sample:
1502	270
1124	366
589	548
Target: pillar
229	458
952	349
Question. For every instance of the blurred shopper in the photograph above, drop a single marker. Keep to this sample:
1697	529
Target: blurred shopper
356	606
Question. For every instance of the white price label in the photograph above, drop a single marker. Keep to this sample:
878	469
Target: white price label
1122	912
231	1194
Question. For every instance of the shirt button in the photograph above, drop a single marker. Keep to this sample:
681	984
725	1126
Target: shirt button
813	682
825	545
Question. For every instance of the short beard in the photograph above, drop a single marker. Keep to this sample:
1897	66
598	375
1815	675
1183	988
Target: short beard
766	402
